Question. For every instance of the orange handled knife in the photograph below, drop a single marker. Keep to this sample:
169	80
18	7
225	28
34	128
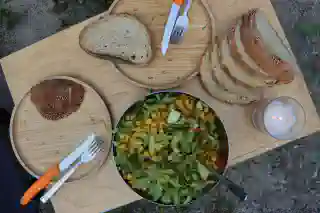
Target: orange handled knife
55	171
40	184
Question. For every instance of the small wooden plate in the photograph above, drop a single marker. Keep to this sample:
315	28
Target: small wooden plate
181	61
39	143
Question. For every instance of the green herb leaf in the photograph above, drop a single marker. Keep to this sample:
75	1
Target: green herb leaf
126	123
151	100
175	182
184	192
155	191
198	185
152	145
155	172
175	157
213	141
176	138
135	161
141	183
178	127
122	159
187	200
203	171
185	147
176	197
195	176
211	126
166	198
139	174
173	116
168	100
162	140
189	136
186	142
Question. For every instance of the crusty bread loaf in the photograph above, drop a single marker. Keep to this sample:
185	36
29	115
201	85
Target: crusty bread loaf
120	36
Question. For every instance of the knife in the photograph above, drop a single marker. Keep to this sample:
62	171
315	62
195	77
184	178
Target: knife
55	171
174	12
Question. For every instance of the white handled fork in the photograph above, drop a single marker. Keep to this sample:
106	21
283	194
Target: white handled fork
181	25
87	156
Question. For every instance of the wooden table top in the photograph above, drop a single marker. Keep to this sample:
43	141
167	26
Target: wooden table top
60	54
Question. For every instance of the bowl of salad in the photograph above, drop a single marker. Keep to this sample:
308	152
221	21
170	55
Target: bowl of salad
166	145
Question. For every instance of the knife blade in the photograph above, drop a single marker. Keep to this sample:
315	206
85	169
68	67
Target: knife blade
55	171
71	158
173	15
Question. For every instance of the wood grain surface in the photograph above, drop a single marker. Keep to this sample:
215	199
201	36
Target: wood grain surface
51	141
181	61
61	55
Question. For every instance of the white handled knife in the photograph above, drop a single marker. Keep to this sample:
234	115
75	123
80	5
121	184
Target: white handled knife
173	15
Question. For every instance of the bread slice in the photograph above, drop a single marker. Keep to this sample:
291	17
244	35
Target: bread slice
120	36
254	46
57	98
238	68
207	70
239	54
225	79
271	39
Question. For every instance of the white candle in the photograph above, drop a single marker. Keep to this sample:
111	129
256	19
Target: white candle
279	118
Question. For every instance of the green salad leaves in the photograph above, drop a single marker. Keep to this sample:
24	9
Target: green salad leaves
165	147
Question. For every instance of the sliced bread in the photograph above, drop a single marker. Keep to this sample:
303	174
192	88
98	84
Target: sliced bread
271	39
225	79
238	68
120	36
254	46
239	54
207	70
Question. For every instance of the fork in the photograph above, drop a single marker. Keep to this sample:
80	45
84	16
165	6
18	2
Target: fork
87	156
181	25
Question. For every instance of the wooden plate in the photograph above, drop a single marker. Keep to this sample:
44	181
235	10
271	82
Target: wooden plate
181	60
51	141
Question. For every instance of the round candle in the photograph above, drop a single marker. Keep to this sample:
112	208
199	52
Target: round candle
279	118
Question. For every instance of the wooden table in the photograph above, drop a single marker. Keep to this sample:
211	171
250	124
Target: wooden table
60	54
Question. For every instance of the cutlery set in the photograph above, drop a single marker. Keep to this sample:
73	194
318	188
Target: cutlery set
176	24
84	153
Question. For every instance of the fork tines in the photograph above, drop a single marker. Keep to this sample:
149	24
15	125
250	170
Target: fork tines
177	35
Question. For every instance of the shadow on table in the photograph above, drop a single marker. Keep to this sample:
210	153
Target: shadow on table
219	200
14	180
6	101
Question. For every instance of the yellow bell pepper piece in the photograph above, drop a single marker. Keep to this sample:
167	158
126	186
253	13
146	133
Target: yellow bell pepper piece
129	177
146	154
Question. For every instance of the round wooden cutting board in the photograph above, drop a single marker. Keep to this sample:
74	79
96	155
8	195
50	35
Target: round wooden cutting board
181	60
39	143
